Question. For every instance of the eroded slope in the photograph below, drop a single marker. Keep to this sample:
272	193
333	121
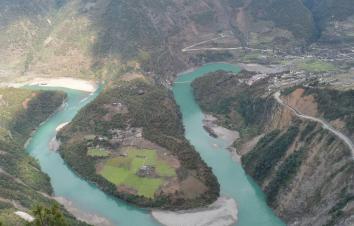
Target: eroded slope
305	171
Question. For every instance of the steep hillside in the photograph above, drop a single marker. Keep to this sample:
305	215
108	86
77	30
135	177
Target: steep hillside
287	14
336	107
305	171
104	38
22	184
330	10
23	24
130	141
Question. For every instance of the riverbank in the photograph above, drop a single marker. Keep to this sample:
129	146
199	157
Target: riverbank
234	183
211	126
61	82
89	218
221	213
61	126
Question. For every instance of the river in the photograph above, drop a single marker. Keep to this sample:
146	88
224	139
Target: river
253	210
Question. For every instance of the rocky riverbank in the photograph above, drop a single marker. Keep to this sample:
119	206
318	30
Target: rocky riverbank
211	126
221	213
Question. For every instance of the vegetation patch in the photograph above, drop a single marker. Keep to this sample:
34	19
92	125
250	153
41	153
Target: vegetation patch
140	170
97	152
21	111
284	174
204	18
266	155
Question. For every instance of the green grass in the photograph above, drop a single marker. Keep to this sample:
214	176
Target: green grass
315	66
97	152
122	171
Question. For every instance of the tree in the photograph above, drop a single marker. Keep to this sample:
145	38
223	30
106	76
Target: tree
48	216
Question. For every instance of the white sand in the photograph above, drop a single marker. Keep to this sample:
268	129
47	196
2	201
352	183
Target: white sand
221	213
25	216
61	126
63	82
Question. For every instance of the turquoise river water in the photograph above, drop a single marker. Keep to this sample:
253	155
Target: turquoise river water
253	210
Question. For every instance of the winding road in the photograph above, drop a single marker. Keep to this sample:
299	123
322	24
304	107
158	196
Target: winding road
221	36
325	124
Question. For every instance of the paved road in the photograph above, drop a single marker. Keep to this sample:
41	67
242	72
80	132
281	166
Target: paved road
325	124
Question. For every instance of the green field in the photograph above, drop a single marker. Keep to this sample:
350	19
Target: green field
97	152
315	66
122	171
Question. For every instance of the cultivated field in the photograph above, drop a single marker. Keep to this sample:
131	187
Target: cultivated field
122	171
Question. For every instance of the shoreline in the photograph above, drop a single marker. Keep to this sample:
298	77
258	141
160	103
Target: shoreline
61	126
86	217
216	131
223	212
62	82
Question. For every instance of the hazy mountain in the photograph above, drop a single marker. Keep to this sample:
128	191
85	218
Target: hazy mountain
94	38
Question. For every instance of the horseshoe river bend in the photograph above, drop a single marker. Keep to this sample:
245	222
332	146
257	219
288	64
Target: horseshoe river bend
88	199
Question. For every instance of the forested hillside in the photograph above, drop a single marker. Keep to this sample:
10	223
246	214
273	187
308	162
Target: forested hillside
132	121
22	184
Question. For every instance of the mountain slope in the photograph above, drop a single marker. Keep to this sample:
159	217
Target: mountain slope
287	14
305	171
22	184
329	10
108	38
